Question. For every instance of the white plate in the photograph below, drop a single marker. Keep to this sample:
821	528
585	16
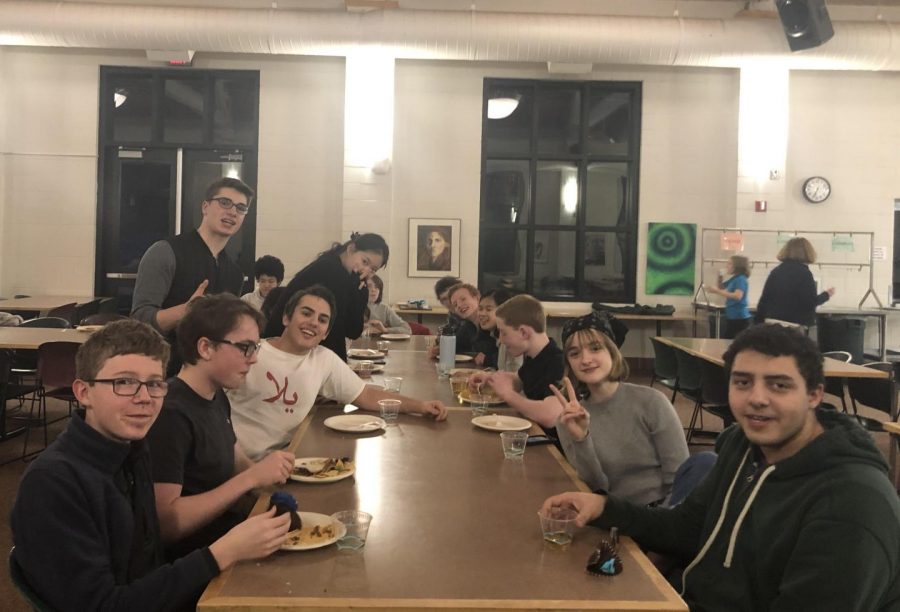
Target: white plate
462	358
376	367
395	336
365	354
496	422
310	520
355	423
316	463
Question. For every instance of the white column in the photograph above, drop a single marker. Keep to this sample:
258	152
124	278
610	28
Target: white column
368	149
762	145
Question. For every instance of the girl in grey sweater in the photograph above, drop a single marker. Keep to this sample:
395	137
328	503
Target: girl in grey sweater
623	439
382	318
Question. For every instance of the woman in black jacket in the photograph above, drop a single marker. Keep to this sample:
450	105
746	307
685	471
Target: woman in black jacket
343	269
790	291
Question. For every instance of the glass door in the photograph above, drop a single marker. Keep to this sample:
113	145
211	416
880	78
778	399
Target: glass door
138	208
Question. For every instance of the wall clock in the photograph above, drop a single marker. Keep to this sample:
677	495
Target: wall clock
816	189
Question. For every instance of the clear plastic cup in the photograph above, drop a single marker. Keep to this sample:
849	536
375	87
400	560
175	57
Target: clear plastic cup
513	443
365	368
390	410
479	403
357	524
558	526
393	383
384	346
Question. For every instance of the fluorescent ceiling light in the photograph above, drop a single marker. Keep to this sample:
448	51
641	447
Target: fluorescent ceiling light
501	108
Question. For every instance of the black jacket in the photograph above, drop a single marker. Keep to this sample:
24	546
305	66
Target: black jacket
790	295
351	300
75	532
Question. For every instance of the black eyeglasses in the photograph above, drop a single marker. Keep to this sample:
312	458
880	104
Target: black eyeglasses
246	347
227	203
129	387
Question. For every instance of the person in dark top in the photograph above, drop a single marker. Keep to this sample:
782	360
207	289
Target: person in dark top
496	355
343	269
522	324
789	293
469	337
798	512
84	521
203	479
174	271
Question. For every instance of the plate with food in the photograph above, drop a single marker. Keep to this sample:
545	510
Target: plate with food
318	530
356	366
490	399
463	358
395	336
358	353
496	422
89	328
322	469
355	423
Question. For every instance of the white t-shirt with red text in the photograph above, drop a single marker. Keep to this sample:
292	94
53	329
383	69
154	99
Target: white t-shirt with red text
279	392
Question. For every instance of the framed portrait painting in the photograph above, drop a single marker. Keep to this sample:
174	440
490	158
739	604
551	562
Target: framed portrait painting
434	247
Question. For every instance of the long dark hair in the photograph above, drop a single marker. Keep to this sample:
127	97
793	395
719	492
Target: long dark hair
373	243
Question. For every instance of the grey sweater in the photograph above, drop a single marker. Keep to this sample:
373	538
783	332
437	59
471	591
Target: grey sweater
392	321
634	445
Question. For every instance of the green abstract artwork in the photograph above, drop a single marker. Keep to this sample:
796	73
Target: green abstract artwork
671	249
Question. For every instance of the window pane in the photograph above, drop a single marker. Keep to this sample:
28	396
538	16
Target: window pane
554	264
606	194
183	109
559	121
556	193
604	265
234	111
144	211
502	258
507	130
608	122
132	116
507	192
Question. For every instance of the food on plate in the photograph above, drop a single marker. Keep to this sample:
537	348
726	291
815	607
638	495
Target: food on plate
327	468
310	535
285	502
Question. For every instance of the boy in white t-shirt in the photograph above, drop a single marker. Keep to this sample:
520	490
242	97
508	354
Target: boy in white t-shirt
292	370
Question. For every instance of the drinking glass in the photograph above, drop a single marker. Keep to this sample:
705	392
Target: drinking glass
558	525
357	524
390	410
513	443
393	383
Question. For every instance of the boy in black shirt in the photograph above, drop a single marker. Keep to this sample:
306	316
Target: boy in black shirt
522	324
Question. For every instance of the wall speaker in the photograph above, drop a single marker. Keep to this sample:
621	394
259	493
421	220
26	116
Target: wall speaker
806	23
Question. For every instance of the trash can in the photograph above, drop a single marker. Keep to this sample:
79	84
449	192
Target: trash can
842	334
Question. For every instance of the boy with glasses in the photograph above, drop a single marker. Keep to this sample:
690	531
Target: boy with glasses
174	271
203	479
84	522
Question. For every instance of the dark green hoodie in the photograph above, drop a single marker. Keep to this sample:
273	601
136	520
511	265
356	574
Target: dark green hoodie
817	531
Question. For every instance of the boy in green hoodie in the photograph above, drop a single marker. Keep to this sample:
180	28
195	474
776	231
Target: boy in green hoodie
798	513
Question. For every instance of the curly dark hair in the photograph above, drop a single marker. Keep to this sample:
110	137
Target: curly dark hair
775	341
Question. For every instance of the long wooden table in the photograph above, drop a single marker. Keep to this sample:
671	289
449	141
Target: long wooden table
455	525
712	349
43	303
33	337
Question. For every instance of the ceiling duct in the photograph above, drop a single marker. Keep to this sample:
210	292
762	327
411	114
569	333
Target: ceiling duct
447	35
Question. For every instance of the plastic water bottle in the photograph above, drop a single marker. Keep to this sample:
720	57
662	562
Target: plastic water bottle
447	349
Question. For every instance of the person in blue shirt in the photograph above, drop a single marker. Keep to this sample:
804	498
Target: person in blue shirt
734	290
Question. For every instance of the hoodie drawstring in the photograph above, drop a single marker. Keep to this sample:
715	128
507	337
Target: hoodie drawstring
715	531
740	519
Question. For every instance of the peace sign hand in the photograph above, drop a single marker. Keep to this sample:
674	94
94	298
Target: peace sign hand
574	417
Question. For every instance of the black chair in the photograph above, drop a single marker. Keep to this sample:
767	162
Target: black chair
56	373
665	366
21	583
837	386
108	305
874	393
102	318
11	388
69	312
713	398
83	311
25	360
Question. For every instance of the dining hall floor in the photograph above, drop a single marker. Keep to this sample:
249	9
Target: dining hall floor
12	472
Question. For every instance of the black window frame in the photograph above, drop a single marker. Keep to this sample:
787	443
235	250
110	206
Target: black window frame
628	228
